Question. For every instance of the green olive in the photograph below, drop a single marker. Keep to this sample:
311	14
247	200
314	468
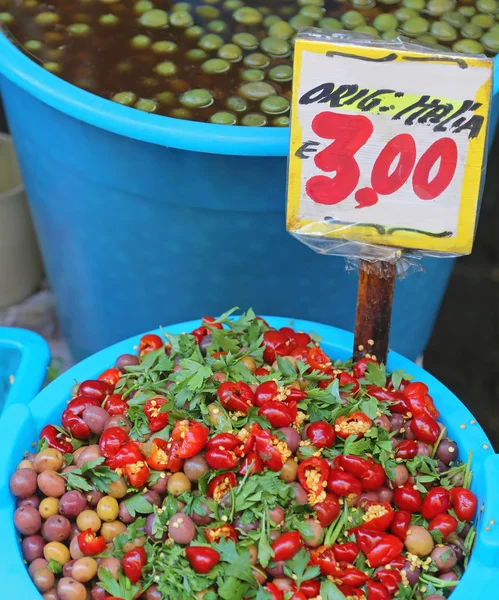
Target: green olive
438	7
258	90
247	41
352	19
155	18
252	75
223	118
126	98
454	18
254	120
247	15
385	22
330	24
482	20
471	32
404	14
415	26
468	47
443	31
487	6
490	40
197	98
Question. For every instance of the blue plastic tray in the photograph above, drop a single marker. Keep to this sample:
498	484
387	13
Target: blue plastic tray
24	357
19	426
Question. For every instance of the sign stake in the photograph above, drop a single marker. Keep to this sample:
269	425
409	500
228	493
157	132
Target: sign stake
374	309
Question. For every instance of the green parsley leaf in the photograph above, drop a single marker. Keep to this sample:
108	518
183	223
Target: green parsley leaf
397	377
286	368
329	591
238	562
54	566
122	588
222	339
356	447
298	566
375	374
232	588
99	475
42	445
370	408
192	375
138	504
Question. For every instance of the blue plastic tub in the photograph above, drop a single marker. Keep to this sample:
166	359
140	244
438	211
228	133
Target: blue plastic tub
24	357
20	425
144	219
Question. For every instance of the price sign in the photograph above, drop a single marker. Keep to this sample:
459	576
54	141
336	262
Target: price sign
387	143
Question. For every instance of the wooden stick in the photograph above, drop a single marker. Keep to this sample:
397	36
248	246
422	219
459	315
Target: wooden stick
374	310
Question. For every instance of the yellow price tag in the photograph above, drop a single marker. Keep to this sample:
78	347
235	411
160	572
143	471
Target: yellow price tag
387	143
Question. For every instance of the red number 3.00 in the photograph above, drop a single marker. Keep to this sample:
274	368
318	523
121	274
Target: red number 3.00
349	133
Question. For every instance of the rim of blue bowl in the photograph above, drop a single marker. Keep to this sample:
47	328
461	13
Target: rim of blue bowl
129	122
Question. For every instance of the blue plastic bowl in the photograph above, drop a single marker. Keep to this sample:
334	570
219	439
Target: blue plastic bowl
130	207
24	357
20	425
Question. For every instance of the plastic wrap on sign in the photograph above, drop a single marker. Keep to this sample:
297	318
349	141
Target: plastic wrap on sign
387	151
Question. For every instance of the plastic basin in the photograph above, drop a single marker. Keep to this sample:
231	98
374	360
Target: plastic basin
20	425
24	357
144	219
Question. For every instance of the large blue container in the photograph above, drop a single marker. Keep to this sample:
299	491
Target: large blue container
144	219
24	357
20	425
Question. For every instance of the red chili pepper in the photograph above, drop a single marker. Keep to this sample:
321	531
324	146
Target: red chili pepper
360	367
274	591
379	515
444	523
367	539
401	523
111	441
352	593
55	439
71	417
318	360
323	556
390	579
279	414
221	485
321	434
159	455
287	545
294	394
137	473
313	474
464	503
265	446
377	591
251	464
128	454
111	376
298	337
343	484
224	531
115	405
370	474
396	401
406	449
328	510
91	544
261	372
265	392
94	388
346	552
300	353
236	396
149	343
420	403
276	344
425	429
407	498
202	558
385	550
310	588
192	437
345	379
221	459
437	501
227	440
133	562
210	322
351	577
156	419
200	333
357	424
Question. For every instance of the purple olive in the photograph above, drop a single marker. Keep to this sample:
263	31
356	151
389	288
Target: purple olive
33	501
301	496
23	483
202	519
72	504
161	485
412	573
118	421
277	570
32	547
316	534
124	514
450	576
447	451
424	449
153	593
246	527
94	496
366	497
67	569
56	529
396	422
96	417
181	528
444	557
465	530
292	438
38	563
277	515
27	520
205	342
126	360
401	475
99	593
408	432
383	422
385	494
153	497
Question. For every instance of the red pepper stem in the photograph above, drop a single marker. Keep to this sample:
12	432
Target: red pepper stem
336	527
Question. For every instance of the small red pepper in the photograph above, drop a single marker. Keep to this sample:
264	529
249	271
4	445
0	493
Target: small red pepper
420	403
318	360
357	424
444	523
149	343
221	485
72	416
115	405
137	474
226	532
379	515
287	545
385	550
133	563
401	523
377	591
313	474
407	498
236	396
91	544
360	367
279	414
464	503
111	440
266	446
276	343
251	464
390	579
425	429
437	501
55	439
191	436
324	558
95	388
128	454
406	449
210	322
370	474
328	510
343	484
156	419
346	552
111	376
